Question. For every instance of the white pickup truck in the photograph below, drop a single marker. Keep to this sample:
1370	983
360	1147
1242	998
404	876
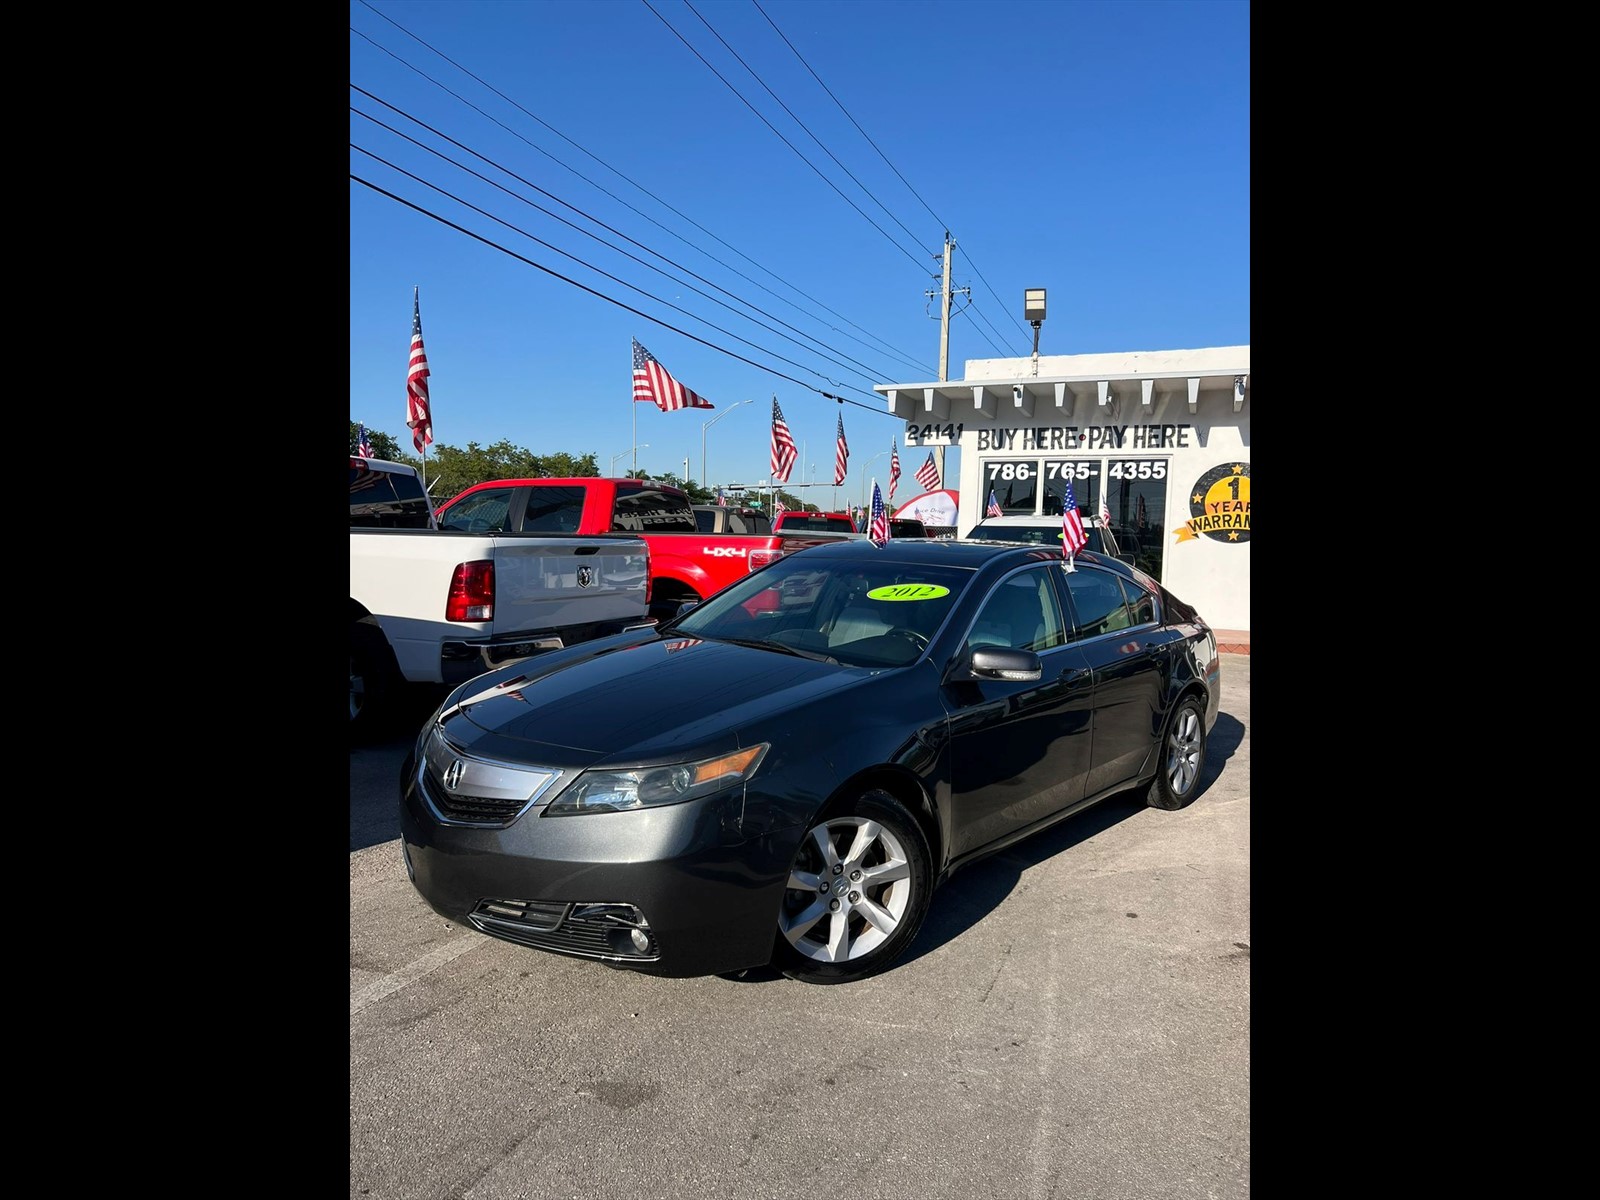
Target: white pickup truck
434	606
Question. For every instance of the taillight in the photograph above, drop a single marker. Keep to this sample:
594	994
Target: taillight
649	580
471	592
760	558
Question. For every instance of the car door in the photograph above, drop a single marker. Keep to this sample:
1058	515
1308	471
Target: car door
1121	643
1019	751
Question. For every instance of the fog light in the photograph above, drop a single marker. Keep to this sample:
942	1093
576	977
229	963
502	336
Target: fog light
640	942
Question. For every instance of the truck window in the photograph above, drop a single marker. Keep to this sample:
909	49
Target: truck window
651	510
553	510
387	500
481	512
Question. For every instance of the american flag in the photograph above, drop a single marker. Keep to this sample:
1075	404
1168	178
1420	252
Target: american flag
722	498
841	453
894	467
652	382
783	449
364	444
418	419
994	506
1073	538
778	506
1105	512
878	530
928	474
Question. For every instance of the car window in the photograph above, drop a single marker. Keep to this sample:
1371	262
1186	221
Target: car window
386	500
481	512
1044	534
651	510
554	510
1020	614
876	616
1140	602
704	521
1098	599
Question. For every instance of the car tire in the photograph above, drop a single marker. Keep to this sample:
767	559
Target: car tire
1182	756
876	849
372	678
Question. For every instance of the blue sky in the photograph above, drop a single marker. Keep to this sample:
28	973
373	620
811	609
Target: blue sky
1098	150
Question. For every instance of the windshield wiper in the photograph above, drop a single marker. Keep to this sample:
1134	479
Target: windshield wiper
765	644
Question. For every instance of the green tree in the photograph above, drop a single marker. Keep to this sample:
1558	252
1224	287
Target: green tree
383	446
452	469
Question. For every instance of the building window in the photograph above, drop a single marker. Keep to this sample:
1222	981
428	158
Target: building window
1135	490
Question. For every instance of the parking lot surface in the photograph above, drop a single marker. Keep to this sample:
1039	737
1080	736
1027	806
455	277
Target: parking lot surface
1072	1021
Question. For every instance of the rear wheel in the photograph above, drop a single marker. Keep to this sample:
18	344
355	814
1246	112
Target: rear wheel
1183	753
858	891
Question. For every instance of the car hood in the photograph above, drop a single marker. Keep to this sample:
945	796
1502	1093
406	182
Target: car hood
653	699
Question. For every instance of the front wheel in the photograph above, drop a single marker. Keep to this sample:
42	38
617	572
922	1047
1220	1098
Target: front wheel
1183	753
858	891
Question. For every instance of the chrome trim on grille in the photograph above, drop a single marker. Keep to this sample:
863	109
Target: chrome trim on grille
461	789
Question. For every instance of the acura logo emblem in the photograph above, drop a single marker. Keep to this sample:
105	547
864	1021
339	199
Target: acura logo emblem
585	576
452	776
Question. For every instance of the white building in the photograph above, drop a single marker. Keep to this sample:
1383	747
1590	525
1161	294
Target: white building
1164	435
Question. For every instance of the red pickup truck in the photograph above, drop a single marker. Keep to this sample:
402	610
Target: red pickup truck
816	522
685	564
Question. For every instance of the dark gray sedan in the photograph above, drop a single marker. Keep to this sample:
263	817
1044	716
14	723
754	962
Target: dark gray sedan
784	773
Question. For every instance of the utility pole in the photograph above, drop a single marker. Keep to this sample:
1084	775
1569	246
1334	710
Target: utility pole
945	293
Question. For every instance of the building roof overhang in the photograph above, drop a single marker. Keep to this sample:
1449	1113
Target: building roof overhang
1080	386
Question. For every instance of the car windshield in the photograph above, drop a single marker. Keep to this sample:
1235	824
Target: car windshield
875	614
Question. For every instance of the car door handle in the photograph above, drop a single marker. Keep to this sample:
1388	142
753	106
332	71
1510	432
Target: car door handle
1071	673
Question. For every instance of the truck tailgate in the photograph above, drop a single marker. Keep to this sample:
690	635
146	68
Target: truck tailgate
547	581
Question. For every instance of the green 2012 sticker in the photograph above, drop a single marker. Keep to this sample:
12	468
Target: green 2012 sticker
908	591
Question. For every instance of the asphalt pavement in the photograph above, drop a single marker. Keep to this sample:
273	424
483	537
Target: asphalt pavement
1073	1021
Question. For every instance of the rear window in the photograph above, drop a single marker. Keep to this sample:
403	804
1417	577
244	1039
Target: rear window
387	500
817	523
651	510
1043	534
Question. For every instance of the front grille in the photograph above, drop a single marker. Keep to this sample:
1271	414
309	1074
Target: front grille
479	810
579	930
483	792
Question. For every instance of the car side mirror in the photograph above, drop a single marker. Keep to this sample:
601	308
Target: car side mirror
1003	665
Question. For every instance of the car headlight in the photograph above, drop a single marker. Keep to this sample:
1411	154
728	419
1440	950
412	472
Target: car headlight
619	790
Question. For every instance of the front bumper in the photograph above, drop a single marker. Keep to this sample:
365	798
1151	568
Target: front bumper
708	897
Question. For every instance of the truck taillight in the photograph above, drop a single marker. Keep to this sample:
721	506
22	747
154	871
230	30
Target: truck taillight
471	592
760	558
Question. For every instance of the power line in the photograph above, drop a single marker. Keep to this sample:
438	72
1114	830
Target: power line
783	139
583	262
900	354
798	121
996	296
943	224
825	350
612	300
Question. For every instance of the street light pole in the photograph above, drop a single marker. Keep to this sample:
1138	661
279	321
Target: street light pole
704	482
633	450
865	471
